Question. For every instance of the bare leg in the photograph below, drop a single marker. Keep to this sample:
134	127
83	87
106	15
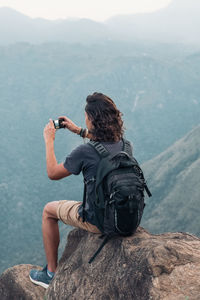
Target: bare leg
51	236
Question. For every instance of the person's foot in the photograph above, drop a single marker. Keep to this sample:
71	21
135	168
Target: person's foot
41	277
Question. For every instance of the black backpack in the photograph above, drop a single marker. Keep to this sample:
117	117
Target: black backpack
119	190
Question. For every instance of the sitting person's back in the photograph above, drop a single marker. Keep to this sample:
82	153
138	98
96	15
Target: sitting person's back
104	124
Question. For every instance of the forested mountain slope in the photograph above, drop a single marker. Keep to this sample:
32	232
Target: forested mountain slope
174	178
156	89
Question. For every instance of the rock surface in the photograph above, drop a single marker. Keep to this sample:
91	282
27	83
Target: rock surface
16	285
141	267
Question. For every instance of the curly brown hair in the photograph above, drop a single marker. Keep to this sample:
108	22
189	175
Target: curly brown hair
105	117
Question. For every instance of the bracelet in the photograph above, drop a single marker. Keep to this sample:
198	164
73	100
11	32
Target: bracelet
83	132
86	133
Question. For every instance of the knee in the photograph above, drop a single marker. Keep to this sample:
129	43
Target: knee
50	210
46	211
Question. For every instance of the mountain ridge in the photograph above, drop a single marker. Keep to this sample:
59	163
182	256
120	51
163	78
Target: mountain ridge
155	26
174	176
17	27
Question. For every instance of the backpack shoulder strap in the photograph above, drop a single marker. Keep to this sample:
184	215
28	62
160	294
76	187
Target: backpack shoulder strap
101	150
127	147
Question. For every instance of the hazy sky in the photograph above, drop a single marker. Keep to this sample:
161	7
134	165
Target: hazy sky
98	10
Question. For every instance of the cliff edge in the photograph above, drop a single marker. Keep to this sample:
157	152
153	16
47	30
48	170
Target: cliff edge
140	267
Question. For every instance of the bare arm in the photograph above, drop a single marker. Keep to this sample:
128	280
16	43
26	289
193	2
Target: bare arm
73	127
55	171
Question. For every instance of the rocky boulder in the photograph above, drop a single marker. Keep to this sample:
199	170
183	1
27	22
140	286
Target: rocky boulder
140	267
15	284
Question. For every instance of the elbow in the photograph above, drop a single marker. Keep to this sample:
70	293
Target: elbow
52	176
57	172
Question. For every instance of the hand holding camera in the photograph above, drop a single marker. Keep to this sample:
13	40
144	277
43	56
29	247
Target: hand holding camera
64	122
49	131
59	123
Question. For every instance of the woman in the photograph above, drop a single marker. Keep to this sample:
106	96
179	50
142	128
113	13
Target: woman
104	124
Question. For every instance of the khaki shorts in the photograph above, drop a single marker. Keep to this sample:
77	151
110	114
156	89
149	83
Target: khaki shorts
67	212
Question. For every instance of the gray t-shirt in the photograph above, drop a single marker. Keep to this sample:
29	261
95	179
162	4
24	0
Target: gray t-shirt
85	159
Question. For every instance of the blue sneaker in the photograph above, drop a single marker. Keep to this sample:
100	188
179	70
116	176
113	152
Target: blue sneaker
40	277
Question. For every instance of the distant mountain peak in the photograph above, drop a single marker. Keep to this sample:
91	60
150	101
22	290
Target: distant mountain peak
8	13
179	22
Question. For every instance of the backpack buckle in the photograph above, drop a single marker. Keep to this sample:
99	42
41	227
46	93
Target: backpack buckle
93	179
112	194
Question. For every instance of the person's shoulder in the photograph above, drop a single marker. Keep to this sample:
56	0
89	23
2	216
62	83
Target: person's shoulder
83	148
85	152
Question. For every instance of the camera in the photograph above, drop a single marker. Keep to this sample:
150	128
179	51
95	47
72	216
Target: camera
58	123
